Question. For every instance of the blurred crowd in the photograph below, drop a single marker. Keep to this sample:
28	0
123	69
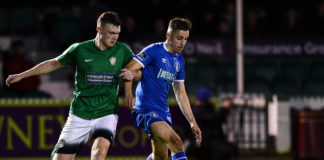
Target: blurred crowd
62	22
57	24
76	19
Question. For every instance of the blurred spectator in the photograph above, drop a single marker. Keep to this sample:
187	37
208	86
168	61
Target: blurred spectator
263	22
223	29
159	29
208	23
229	15
291	23
251	28
18	63
156	9
130	32
184	8
317	21
68	26
214	144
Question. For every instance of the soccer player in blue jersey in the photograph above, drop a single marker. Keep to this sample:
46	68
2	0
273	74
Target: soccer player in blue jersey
162	66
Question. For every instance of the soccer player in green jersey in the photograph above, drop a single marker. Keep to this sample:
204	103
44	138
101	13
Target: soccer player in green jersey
94	109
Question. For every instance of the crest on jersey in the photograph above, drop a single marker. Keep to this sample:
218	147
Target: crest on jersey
177	66
112	60
163	60
154	114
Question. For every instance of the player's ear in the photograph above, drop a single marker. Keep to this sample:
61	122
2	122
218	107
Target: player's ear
98	29
168	35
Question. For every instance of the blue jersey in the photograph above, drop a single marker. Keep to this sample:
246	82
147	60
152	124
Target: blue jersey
160	69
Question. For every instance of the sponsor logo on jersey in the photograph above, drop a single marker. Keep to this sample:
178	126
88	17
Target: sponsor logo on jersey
142	56
100	78
112	60
166	75
154	114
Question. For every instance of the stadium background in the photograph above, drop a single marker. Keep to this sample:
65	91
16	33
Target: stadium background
283	62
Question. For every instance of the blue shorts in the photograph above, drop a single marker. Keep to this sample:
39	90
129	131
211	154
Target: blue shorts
145	117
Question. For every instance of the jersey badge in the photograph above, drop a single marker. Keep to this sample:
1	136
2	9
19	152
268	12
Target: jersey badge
61	143
112	60
154	114
177	66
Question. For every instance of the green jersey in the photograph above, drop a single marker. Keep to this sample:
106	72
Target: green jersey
96	78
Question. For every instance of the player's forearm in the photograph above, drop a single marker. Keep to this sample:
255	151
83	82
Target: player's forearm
184	105
133	65
42	68
128	88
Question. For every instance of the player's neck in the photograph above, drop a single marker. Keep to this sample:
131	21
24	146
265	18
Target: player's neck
168	47
99	44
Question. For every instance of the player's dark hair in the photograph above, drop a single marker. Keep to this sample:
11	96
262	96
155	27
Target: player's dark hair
178	23
108	17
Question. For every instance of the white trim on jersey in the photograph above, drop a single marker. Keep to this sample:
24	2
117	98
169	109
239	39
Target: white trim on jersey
139	62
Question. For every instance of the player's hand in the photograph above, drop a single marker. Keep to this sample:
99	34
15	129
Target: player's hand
196	131
13	79
129	101
127	74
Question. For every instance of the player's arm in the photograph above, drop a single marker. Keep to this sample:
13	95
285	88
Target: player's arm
42	68
130	72
184	104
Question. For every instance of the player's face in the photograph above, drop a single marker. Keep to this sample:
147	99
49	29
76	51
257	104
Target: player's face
178	40
108	34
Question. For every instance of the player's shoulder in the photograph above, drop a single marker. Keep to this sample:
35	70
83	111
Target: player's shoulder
153	47
156	45
73	47
84	44
123	46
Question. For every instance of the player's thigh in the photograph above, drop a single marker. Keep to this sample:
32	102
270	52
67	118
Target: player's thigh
160	149
59	156
105	127
74	135
162	131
